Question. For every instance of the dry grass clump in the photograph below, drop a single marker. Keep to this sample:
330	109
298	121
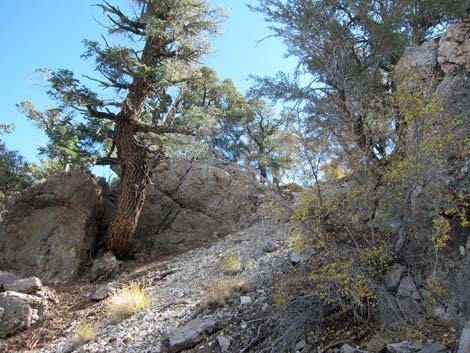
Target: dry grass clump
85	332
232	264
218	293
127	301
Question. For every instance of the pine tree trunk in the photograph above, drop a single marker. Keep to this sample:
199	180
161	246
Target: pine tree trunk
131	152
131	195
134	173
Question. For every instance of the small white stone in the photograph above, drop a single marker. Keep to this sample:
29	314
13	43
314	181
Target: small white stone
245	299
224	343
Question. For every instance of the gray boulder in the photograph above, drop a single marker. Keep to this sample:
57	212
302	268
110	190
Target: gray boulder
104	290
192	203
409	299
421	60
104	267
224	343
52	227
19	311
28	285
393	277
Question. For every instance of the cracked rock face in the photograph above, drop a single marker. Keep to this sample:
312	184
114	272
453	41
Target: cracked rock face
192	203
445	62
52	226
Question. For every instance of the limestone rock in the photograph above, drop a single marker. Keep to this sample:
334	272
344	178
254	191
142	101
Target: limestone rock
52	227
224	343
464	342
5	278
393	276
409	298
434	348
245	300
454	49
421	60
191	333
346	348
28	285
454	92
300	345
104	267
104	290
301	256
402	347
191	203
19	312
408	289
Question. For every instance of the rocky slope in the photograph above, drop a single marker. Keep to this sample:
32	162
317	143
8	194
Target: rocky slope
179	292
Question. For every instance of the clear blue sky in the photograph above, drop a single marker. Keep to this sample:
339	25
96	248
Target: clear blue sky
49	33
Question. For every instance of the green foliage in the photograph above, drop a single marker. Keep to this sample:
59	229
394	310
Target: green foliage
15	174
70	143
158	50
397	208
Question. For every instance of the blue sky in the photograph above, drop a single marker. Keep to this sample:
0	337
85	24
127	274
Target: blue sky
49	33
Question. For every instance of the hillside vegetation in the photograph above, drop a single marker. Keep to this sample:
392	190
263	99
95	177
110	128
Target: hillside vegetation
326	210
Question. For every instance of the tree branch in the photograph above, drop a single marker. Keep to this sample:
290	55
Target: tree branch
140	127
100	115
107	161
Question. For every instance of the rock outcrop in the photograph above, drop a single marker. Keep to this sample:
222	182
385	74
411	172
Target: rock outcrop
445	65
192	203
445	62
52	227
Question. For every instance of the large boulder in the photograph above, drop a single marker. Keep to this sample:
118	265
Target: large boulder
192	203
52	227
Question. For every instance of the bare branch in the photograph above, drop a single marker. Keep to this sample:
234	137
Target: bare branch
140	127
100	115
107	161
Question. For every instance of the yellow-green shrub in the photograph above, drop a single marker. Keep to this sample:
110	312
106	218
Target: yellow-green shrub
127	301
85	332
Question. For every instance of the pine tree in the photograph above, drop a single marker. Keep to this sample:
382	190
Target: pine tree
167	39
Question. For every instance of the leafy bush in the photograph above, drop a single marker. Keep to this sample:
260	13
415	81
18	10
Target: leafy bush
127	301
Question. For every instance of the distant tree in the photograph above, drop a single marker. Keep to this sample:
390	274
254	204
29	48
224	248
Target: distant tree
15	173
220	99
246	130
268	142
168	39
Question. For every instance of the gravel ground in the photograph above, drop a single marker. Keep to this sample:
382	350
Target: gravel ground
176	296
